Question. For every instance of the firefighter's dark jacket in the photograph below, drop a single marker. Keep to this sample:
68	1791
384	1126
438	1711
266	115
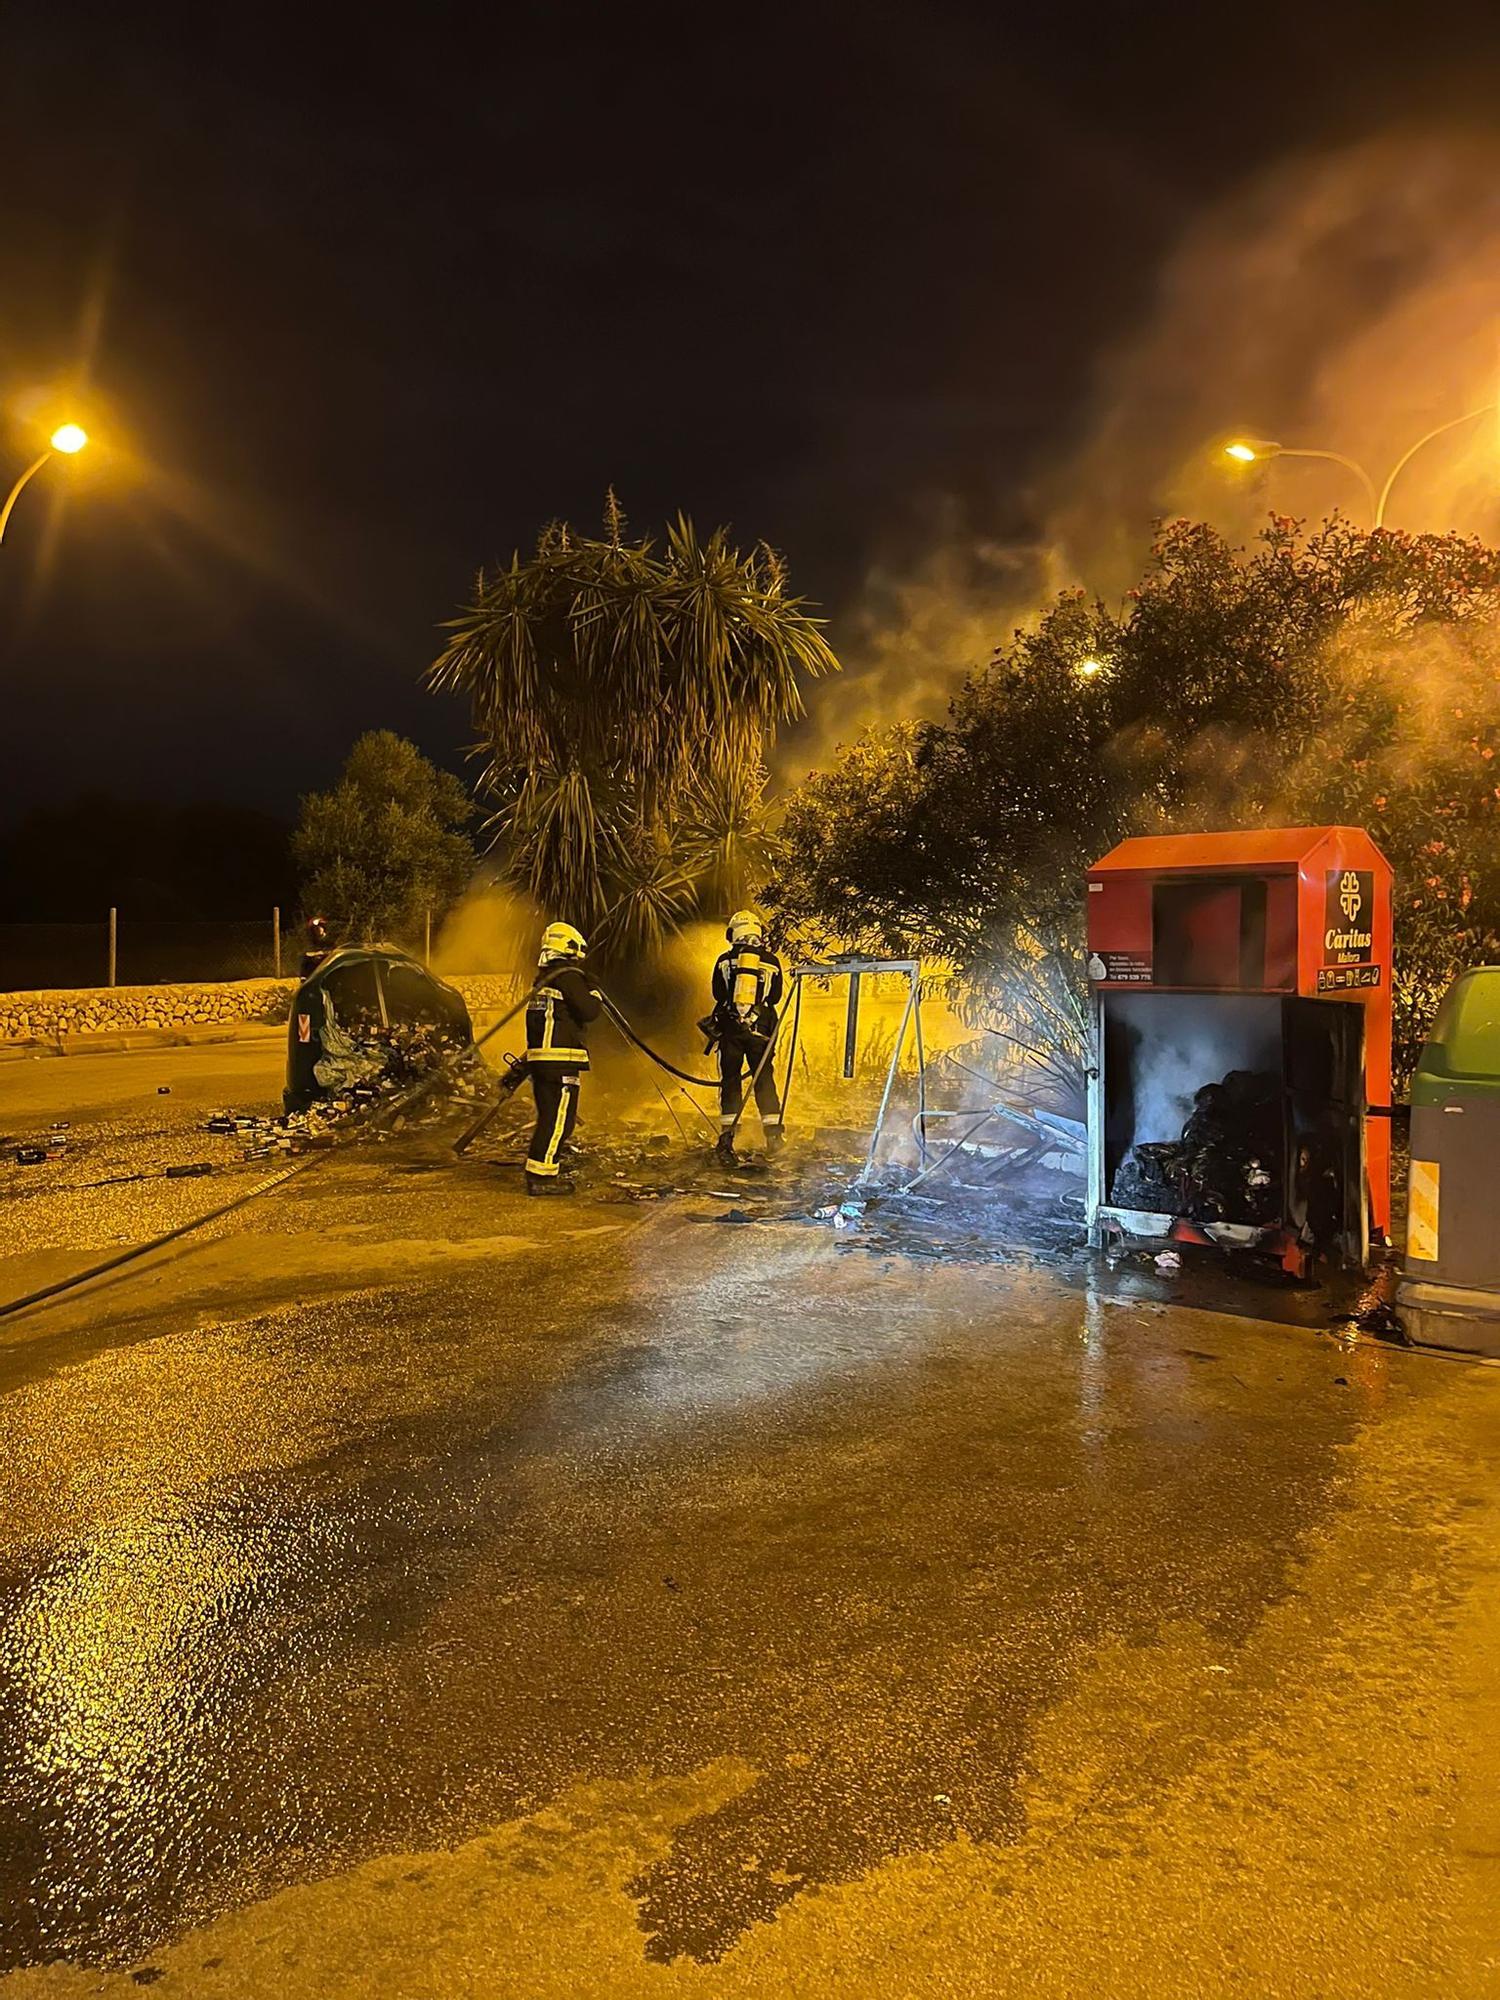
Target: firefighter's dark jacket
747	990
559	1011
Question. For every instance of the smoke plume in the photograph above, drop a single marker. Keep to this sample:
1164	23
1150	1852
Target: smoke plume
1347	300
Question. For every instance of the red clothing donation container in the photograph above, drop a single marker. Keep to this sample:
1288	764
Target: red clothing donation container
1241	988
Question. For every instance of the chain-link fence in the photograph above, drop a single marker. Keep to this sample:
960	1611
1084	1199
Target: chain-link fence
129	951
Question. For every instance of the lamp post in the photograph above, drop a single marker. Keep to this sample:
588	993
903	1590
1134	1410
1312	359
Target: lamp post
67	439
1245	451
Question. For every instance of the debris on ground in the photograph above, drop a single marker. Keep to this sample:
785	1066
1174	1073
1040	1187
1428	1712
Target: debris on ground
421	1087
1014	1218
35	1152
1383	1322
1374	1313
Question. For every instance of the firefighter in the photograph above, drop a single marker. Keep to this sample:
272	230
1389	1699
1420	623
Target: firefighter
747	993
564	1002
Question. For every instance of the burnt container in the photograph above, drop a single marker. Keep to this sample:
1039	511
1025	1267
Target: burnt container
1241	998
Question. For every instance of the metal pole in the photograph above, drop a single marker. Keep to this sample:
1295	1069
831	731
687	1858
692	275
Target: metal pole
276	937
114	939
1096	1193
1349	465
15	494
791	1060
981	1119
851	1025
916	987
890	1078
1407	456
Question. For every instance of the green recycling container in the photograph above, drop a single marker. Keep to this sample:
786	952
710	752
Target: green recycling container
1449	1293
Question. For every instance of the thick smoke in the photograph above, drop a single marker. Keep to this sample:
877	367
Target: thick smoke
493	929
920	625
1348	301
1195	1039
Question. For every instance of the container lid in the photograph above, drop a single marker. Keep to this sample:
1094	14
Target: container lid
1281	847
1464	1045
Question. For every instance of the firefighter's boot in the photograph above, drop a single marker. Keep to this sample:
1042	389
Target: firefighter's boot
724	1150
775	1140
546	1184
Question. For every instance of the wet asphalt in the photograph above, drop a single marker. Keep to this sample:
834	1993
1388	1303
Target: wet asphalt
410	1588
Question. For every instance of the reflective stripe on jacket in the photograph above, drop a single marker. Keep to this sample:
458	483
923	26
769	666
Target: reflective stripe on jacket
557	1014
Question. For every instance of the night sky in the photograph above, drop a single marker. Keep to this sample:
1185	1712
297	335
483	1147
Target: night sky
351	312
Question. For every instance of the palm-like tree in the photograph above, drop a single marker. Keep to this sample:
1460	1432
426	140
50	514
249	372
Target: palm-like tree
624	697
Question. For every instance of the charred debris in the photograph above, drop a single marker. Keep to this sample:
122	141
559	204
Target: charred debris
1226	1165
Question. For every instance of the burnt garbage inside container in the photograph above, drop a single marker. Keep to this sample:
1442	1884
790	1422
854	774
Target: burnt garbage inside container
1193	1106
1226	1110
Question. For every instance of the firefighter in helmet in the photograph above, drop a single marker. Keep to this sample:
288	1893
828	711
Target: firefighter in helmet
747	992
560	1009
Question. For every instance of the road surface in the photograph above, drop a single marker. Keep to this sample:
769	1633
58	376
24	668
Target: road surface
410	1590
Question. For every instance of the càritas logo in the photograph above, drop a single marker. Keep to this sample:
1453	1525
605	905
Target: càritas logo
1348	916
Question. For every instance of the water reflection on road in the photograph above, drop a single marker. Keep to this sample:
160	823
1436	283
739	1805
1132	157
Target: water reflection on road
380	1568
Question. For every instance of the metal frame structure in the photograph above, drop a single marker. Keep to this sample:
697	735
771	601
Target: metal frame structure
854	970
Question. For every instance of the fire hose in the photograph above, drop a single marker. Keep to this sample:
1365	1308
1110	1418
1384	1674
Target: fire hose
614	1015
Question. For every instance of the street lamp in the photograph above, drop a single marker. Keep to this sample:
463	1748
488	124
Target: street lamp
1247	450
67	439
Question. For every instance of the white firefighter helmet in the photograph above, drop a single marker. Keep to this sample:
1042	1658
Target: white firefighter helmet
746	927
561	941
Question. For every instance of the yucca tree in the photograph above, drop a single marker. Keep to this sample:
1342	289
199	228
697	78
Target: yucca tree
624	695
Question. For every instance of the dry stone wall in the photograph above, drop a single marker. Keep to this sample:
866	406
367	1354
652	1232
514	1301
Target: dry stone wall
125	1010
487	992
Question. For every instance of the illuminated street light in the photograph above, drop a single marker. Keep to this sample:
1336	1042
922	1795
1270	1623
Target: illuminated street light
1088	668
67	439
1248	450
